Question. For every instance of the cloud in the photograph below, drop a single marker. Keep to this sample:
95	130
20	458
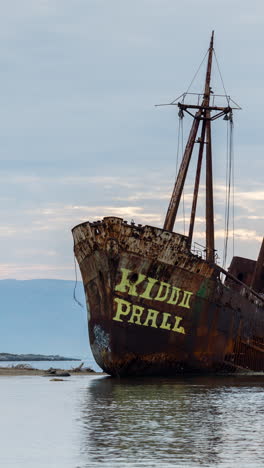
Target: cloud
34	252
53	217
250	196
34	271
79	131
7	231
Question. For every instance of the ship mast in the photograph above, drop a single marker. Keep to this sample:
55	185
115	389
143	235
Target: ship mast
209	171
203	114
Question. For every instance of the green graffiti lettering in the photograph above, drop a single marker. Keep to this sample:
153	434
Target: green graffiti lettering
126	285
137	311
165	325
123	308
151	317
175	293
162	292
185	302
146	293
176	327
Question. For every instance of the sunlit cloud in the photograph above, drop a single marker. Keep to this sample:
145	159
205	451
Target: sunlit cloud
53	217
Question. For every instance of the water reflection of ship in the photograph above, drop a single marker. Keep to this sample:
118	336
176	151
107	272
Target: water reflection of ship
159	419
186	422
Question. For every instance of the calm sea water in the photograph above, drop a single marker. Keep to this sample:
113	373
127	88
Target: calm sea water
96	421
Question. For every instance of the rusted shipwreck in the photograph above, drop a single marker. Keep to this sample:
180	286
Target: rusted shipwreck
154	306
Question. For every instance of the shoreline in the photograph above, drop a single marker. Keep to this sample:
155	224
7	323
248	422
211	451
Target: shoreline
13	371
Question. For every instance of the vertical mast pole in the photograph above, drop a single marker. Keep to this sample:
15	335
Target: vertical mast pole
197	183
209	196
179	184
209	173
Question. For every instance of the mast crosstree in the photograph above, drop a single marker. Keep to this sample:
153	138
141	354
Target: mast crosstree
203	114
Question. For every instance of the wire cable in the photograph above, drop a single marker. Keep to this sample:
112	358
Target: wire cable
233	184
75	286
190	85
183	202
221	77
229	189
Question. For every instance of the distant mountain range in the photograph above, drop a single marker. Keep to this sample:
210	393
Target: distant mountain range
41	317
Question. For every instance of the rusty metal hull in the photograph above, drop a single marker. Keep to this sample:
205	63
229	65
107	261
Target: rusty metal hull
156	309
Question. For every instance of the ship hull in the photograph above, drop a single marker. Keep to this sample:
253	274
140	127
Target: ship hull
155	309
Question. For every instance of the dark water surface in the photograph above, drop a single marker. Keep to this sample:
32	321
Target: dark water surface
98	421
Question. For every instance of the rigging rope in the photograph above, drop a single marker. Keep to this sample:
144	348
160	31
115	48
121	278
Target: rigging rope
230	178
75	286
226	194
197	71
180	148
183	203
221	78
229	189
233	186
190	85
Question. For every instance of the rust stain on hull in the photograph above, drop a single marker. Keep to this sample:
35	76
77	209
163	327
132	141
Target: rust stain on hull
156	309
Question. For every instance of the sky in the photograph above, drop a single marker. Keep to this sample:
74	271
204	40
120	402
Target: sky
80	135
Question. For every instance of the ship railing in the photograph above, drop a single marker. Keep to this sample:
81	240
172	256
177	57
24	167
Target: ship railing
245	290
200	251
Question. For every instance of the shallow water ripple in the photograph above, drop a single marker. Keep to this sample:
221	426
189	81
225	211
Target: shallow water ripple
178	422
96	421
